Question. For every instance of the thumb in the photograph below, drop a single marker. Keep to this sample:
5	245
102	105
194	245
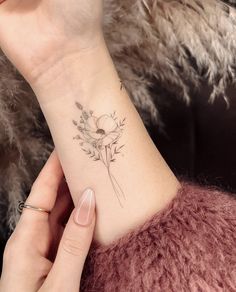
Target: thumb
67	269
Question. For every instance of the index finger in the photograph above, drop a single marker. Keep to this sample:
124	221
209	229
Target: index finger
44	190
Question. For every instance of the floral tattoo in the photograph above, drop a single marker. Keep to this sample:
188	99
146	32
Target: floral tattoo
98	138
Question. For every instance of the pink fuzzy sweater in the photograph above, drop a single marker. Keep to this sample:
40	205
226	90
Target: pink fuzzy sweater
189	246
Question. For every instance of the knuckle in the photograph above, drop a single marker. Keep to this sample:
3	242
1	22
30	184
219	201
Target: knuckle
15	248
7	253
11	250
72	246
43	268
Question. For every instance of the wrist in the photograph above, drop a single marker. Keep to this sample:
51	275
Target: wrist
70	71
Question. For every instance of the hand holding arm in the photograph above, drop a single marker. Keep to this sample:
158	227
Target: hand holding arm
42	255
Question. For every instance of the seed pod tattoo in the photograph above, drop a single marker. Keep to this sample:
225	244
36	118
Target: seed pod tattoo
98	137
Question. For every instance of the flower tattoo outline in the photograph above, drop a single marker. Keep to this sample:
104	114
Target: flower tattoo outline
98	137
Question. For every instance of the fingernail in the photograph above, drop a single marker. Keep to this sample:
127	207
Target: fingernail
85	209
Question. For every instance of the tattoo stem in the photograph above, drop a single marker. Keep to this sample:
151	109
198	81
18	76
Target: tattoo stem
117	189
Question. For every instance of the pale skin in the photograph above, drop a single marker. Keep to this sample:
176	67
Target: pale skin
59	48
65	59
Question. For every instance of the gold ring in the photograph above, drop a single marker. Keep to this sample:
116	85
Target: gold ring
22	206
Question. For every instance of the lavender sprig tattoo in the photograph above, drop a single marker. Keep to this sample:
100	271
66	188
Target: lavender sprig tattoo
98	138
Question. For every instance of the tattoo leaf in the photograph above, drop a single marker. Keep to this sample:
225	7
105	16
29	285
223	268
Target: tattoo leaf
119	148
77	137
122	123
85	115
79	106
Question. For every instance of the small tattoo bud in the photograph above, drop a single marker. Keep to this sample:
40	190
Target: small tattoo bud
85	115
80	129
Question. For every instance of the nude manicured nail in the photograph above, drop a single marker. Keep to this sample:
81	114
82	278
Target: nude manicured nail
85	209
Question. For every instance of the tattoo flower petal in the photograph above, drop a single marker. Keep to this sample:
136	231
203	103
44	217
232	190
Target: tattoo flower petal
104	129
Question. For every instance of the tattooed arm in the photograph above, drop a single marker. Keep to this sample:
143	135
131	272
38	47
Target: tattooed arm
102	142
99	137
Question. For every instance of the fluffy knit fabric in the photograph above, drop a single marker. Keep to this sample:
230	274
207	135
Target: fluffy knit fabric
187	247
178	44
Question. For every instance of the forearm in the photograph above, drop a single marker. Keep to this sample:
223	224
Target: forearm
132	182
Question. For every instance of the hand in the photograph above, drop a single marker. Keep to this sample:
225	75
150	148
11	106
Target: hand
37	34
42	255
